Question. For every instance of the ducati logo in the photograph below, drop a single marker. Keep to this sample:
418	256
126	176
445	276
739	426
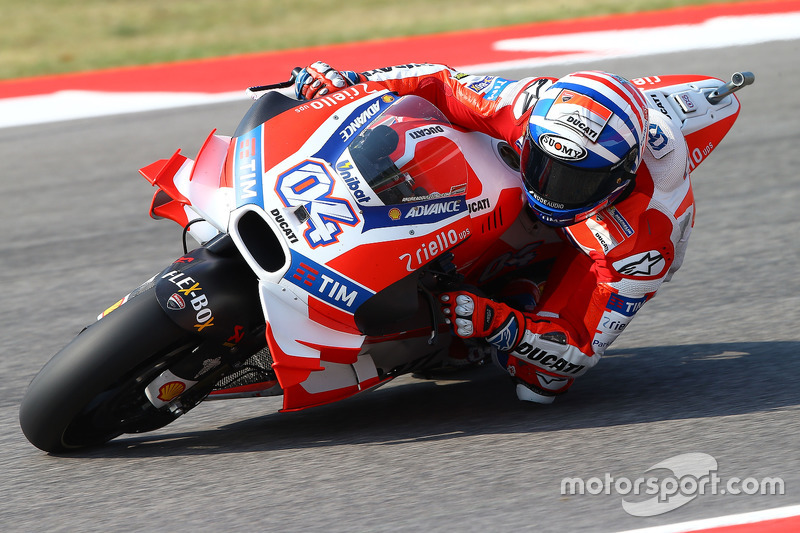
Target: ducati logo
176	302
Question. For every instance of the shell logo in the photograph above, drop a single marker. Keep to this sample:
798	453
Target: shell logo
171	390
394	213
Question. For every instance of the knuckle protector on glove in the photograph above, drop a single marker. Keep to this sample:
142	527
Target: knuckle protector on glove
336	79
464	327
321	66
465	305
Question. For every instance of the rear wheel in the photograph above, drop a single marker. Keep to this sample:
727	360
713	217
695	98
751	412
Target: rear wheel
93	389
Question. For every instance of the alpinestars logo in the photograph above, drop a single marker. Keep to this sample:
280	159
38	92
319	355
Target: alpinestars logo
506	336
528	98
650	263
310	184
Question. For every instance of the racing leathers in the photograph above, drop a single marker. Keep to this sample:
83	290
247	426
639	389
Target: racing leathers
610	264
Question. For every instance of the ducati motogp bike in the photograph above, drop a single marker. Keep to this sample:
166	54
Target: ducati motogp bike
326	230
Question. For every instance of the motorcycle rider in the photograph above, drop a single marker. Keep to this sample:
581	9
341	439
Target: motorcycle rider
610	177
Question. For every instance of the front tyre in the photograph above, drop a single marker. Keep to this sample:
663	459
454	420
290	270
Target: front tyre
93	389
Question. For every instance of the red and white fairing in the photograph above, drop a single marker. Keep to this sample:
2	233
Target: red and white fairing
682	99
340	243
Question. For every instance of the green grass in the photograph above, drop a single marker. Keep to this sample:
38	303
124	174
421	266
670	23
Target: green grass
55	36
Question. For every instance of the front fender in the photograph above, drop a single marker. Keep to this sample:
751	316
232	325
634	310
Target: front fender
212	292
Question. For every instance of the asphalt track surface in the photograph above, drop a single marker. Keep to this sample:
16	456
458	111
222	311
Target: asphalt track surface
709	366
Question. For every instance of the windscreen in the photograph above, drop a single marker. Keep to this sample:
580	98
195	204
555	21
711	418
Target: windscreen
407	154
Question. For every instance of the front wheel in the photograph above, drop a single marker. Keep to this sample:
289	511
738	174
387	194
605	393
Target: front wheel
93	389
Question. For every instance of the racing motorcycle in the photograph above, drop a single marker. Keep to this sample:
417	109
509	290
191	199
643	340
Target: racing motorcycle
326	228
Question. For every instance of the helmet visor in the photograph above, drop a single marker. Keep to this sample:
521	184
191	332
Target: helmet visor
562	186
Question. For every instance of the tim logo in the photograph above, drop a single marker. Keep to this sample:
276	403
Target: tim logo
247	169
310	184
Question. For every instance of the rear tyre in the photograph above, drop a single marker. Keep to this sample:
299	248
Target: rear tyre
93	389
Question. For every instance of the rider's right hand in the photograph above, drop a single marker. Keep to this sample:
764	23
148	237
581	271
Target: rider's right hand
318	79
474	316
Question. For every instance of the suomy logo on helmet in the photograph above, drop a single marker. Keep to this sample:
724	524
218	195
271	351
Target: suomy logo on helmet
561	147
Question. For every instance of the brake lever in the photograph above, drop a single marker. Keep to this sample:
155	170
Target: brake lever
258	91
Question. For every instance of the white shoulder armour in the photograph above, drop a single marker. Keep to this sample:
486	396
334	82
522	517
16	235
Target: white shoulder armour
667	155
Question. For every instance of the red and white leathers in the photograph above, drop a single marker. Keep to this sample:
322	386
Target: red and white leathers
618	258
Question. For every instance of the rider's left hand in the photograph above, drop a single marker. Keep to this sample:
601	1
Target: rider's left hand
318	79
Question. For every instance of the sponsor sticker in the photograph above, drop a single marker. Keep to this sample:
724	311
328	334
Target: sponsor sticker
624	225
625	305
171	390
435	208
602	235
580	113
601	341
493	93
528	98
431	248
488	86
660	105
431	211
425	132
645	264
686	102
561	147
480	84
359	120
284	226
190	289
176	302
658	142
247	169
349	174
325	284
479	205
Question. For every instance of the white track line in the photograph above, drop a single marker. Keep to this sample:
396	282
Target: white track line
723	521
